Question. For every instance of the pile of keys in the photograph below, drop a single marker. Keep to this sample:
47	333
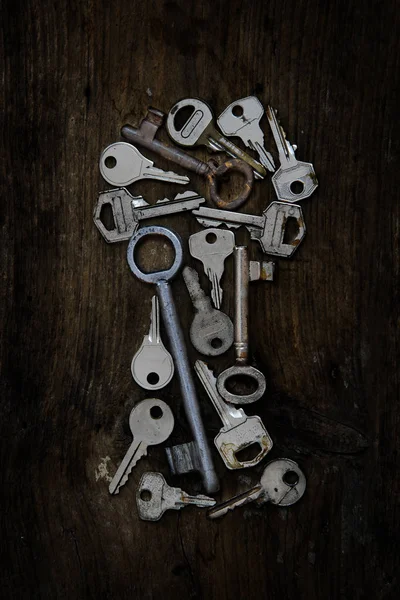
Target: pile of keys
211	332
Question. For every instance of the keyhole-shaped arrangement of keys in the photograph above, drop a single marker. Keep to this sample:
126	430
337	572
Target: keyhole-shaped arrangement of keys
190	123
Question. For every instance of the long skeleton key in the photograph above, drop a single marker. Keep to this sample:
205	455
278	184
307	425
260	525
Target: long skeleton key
199	130
176	339
152	366
211	331
122	164
242	119
239	431
151	422
268	229
282	483
154	496
212	247
294	180
145	136
128	210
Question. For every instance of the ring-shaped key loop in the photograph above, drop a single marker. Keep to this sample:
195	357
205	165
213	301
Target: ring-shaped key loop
234	164
155	276
246	371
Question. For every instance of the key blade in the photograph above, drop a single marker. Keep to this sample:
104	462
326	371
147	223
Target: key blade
160	209
216	289
167	176
241	499
279	136
265	157
137	450
154	333
182	499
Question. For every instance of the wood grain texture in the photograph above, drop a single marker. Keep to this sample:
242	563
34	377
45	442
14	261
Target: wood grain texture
325	333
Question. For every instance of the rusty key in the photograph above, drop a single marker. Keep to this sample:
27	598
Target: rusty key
145	136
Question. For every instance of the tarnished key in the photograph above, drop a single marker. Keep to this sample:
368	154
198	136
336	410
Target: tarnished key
268	229
154	496
145	136
199	130
212	247
128	210
242	119
294	180
282	483
122	164
239	431
152	366
151	422
211	331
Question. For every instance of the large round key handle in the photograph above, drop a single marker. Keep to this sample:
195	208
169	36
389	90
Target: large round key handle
230	165
237	371
155	276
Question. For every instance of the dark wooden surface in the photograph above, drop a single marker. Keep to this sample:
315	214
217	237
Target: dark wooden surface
325	332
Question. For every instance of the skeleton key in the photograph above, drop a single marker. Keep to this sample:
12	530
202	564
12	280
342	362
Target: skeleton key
152	366
267	229
122	164
242	119
282	483
151	422
154	496
199	130
239	431
211	331
212	248
127	211
294	180
145	136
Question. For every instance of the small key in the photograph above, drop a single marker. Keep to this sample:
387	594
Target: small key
122	164
242	119
212	247
145	136
211	331
199	130
267	229
127	211
283	483
294	180
151	422
152	366
154	496
239	430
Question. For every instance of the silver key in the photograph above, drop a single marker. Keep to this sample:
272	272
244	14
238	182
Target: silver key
128	210
294	180
239	431
151	422
152	366
122	164
282	483
211	331
267	229
242	119
212	247
199	130
154	496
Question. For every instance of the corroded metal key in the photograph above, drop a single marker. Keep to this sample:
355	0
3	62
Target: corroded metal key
239	431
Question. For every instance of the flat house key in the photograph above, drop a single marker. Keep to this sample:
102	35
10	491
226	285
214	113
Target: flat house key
244	271
282	483
127	211
242	119
154	496
212	247
122	164
151	422
211	331
294	180
177	345
239	431
145	136
268	229
199	130
152	366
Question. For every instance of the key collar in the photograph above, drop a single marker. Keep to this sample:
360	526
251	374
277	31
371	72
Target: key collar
156	276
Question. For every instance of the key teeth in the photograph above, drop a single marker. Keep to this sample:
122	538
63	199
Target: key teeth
125	477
